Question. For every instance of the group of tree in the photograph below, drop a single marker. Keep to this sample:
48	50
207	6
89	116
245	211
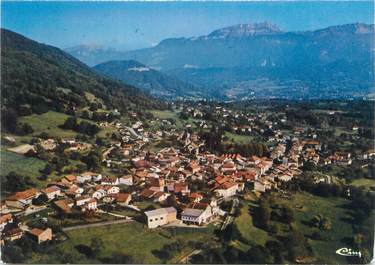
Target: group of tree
249	149
83	127
13	182
11	124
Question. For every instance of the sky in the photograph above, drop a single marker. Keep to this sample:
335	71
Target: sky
133	25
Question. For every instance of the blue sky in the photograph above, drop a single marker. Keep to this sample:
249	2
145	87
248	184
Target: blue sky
131	25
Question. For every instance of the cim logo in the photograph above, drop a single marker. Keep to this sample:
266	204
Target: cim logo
348	252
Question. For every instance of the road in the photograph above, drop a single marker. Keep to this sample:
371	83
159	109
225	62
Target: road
229	219
121	221
131	130
181	224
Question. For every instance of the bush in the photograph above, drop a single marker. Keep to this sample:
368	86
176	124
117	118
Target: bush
274	228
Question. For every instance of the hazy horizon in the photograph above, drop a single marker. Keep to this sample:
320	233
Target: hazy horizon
134	25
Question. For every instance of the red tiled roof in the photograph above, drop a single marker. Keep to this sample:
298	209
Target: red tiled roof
146	193
36	232
22	195
70	178
5	218
122	197
196	195
142	164
51	189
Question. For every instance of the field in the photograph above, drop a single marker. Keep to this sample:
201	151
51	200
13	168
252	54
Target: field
363	182
164	114
48	122
245	225
26	166
130	239
333	208
336	209
168	114
237	138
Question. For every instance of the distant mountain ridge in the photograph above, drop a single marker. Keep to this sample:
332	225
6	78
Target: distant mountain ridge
93	54
256	57
148	79
245	30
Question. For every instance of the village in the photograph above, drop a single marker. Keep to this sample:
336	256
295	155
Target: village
182	185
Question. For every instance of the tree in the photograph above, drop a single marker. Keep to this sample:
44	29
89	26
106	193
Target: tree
92	161
321	222
12	254
40	200
171	201
358	239
85	115
258	255
41	152
288	214
48	169
309	166
119	258
14	182
24	129
295	238
274	228
264	214
9	120
70	123
296	244
97	245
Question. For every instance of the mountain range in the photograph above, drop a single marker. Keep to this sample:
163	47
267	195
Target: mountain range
156	83
261	60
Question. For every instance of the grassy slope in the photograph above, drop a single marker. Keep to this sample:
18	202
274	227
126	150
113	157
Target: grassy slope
49	122
168	114
22	165
237	138
247	229
334	208
129	239
363	182
164	114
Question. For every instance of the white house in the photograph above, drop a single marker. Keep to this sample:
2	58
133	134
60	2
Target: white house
98	194
82	200
126	180
22	199
4	220
196	216
90	205
84	178
111	189
227	189
52	192
110	181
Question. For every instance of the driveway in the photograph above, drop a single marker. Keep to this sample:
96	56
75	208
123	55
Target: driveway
229	219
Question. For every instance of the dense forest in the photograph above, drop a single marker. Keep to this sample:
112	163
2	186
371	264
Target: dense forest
38	77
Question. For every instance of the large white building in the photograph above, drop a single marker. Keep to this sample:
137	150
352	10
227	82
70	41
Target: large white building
159	217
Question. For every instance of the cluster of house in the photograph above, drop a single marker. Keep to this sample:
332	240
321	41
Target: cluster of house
170	173
13	232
